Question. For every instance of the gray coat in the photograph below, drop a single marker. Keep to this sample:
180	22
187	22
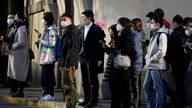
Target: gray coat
5	48
18	63
156	53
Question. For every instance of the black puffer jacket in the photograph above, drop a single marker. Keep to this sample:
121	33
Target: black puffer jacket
125	44
177	53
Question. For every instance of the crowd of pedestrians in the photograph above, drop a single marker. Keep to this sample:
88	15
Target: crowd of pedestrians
129	54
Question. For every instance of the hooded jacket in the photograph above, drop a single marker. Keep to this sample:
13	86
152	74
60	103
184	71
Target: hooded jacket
156	52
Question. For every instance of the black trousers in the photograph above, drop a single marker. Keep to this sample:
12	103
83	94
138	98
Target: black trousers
16	85
179	77
120	93
3	69
90	80
48	79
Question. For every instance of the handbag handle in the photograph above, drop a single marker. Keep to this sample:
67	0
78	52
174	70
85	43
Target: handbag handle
119	52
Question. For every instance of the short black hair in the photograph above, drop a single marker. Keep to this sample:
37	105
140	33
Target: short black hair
178	19
48	16
159	12
89	13
124	21
21	16
150	14
187	20
136	20
67	15
158	19
11	13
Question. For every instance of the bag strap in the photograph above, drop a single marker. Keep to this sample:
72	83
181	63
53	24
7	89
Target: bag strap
158	36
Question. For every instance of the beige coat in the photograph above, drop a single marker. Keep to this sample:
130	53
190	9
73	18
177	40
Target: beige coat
18	64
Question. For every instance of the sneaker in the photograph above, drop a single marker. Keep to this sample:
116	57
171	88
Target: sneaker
42	98
50	98
10	92
47	98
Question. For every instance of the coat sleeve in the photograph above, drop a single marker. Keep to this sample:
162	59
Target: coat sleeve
128	45
137	48
22	35
162	48
100	49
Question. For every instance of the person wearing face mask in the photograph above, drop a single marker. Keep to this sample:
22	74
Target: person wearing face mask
5	50
47	40
69	58
18	64
166	24
149	26
119	79
155	65
138	65
160	12
91	58
179	59
187	25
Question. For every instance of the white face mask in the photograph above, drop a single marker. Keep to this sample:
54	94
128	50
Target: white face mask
44	22
188	32
64	24
152	27
10	22
83	22
148	25
119	27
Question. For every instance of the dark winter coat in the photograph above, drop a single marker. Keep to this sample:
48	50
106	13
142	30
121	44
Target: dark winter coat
70	47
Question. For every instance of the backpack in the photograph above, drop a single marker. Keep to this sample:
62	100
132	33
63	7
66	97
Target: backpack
58	47
159	33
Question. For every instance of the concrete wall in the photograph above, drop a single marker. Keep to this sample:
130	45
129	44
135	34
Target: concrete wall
111	10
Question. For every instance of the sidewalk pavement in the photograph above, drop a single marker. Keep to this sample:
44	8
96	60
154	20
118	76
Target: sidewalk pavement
32	96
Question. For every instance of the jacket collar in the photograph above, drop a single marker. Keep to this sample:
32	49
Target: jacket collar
89	26
67	29
51	27
180	29
163	29
92	28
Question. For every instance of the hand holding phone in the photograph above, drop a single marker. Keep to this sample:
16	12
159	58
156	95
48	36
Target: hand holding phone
103	44
39	34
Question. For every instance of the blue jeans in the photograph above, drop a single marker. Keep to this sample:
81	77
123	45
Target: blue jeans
154	88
